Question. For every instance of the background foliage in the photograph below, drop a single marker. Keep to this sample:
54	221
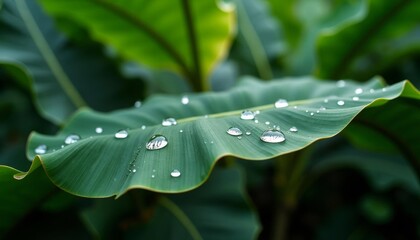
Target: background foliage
69	66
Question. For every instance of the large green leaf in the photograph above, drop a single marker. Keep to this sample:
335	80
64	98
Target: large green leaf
63	76
389	31
102	165
192	215
187	36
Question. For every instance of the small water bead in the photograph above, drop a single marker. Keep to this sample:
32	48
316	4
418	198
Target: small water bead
41	149
306	110
311	113
181	131
175	173
121	134
384	89
256	121
153	176
257	112
295	107
326	100
293	129
358	91
72	138
356	98
247	133
247	115
267	123
234	131
239	137
272	136
157	142
322	108
372	90
281	103
341	83
340	103
168	122
185	100
137	104
134	170
99	130
317	111
143	127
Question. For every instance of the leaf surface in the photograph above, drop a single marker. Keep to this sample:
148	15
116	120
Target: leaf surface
62	76
189	37
102	165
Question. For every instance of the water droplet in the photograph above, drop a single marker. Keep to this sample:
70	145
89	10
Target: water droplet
168	122
317	111
72	138
41	149
99	130
306	110
134	170
181	131
372	90
248	133
121	134
233	131
341	83
239	137
206	116
256	121
153	176
272	136
281	103
340	103
247	115
293	129
211	142
326	100
384	89
143	127
185	100
322	108
137	104
257	112
311	113
358	91
267	123
356	98
175	173
157	142
295	107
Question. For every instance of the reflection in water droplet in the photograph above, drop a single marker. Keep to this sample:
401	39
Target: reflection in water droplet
358	90
356	98
99	130
281	103
181	131
72	138
340	103
233	131
272	136
175	173
168	122
311	113
41	149
134	170
247	115
157	142
248	133
143	127
137	104
121	134
341	83
267	123
293	129
185	100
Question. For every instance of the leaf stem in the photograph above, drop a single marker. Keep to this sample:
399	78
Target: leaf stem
181	216
49	56
200	84
152	34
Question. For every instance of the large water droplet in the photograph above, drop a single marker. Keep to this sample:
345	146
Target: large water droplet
293	129
233	131
247	115
41	149
281	103
157	142
168	122
340	102
185	100
137	104
99	130
121	134
175	173
272	136
72	138
358	91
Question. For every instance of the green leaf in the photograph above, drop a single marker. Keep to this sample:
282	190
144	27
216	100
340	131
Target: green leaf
305	20
17	198
102	165
258	41
63	77
221	202
189	37
358	50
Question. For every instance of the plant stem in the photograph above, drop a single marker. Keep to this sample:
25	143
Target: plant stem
198	81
